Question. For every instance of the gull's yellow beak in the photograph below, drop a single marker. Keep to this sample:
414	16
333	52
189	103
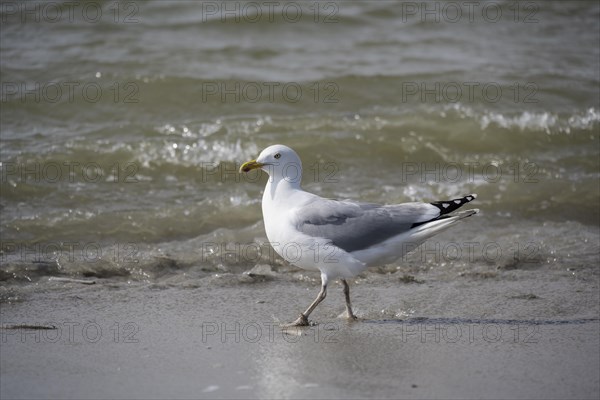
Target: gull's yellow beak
250	165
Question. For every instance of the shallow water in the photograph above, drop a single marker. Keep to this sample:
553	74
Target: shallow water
122	132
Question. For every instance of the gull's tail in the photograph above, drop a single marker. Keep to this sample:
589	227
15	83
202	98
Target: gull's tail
451	205
446	207
445	221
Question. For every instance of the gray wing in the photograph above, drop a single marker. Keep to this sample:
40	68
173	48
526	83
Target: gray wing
356	226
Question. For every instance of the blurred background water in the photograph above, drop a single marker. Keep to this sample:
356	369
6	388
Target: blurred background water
123	123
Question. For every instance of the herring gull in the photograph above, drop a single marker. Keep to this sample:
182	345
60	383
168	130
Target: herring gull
340	238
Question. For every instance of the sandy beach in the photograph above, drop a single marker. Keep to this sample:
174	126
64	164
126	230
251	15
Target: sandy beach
468	339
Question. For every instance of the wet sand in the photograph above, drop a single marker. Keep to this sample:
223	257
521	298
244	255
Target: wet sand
472	338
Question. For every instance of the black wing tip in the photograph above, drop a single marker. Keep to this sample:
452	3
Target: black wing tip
448	206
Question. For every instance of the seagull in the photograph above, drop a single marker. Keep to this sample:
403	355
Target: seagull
340	238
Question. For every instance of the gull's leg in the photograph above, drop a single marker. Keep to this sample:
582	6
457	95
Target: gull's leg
349	312
303	318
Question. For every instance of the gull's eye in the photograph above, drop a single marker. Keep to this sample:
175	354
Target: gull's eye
277	156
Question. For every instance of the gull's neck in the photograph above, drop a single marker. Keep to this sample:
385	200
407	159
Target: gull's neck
278	188
280	196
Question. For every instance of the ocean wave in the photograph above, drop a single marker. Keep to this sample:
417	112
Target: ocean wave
548	122
545	121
